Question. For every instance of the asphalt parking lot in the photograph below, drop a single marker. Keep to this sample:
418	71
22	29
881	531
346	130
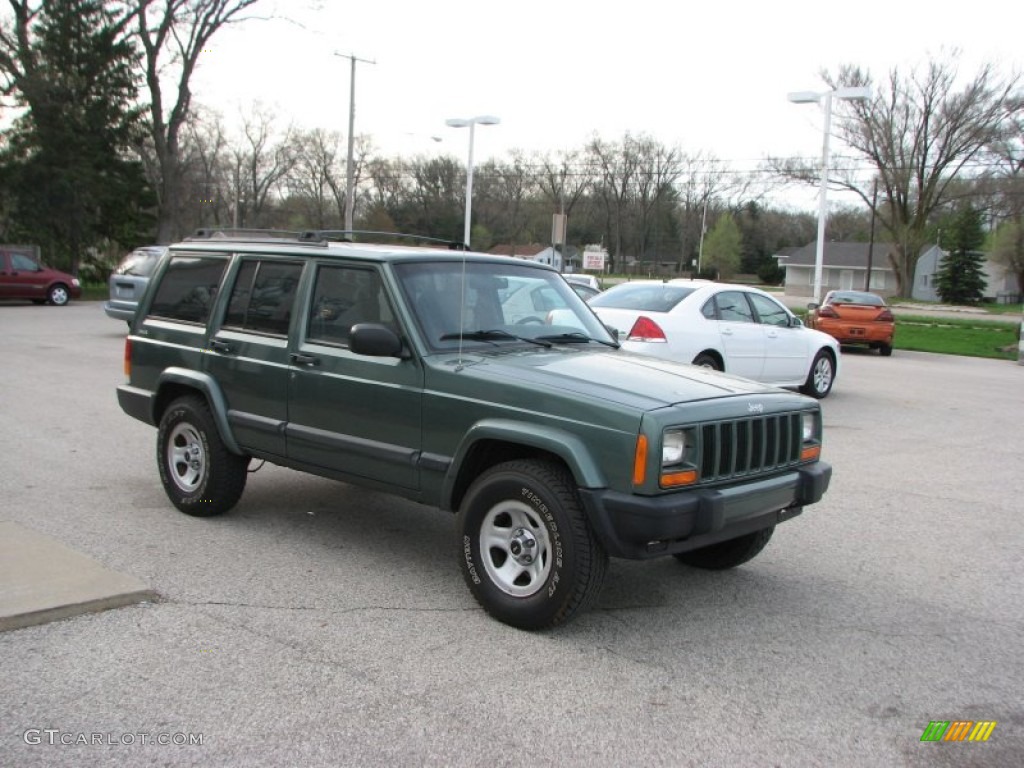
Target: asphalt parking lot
320	624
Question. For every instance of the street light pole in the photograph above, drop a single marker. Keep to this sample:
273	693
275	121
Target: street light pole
809	97
471	123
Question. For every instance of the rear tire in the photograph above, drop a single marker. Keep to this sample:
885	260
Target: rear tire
820	377
705	360
200	475
727	554
526	549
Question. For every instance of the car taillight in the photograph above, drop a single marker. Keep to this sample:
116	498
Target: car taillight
885	315
827	311
645	329
128	357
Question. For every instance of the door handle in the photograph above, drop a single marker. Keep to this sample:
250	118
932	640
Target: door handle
307	360
220	346
727	331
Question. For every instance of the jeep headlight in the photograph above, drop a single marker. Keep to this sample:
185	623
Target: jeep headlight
673	447
809	426
810	429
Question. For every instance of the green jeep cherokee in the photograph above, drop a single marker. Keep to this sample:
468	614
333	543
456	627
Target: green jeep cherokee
480	384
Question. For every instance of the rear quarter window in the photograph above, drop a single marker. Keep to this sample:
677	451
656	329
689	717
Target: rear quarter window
188	288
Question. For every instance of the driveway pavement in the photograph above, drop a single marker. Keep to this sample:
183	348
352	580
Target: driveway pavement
321	624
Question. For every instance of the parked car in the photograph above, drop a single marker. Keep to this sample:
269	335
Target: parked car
732	328
22	277
479	384
579	278
584	291
129	279
855	317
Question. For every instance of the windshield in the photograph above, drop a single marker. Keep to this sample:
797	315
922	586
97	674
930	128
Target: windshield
647	297
501	303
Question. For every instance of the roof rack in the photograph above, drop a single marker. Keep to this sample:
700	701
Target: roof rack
229	233
351	235
317	236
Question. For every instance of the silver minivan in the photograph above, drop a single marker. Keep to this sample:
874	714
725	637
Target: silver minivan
129	279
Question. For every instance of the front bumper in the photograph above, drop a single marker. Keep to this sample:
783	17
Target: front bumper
640	527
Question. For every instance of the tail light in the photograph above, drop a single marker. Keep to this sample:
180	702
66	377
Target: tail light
885	315
128	357
645	329
827	311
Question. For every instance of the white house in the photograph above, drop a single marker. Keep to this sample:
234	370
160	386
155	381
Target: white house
844	267
1000	282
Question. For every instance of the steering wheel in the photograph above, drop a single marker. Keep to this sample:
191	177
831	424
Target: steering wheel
529	320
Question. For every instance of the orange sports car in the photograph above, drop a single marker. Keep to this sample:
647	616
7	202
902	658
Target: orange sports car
855	317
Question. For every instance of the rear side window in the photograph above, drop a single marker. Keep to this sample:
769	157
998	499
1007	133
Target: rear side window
732	307
263	296
188	288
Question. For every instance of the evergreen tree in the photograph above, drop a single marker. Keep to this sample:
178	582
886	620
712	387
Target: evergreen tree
961	277
72	177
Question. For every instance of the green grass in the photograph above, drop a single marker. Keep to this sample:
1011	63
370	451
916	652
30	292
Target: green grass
95	292
972	338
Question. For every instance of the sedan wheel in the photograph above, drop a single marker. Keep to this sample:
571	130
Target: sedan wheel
822	374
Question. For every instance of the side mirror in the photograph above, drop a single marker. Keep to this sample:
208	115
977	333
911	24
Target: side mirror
374	340
812	305
796	322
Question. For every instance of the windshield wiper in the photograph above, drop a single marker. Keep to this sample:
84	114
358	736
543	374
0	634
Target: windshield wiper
492	336
576	338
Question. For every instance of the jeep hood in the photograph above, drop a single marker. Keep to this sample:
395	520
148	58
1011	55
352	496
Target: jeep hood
605	374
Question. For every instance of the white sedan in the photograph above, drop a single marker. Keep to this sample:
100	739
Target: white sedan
731	328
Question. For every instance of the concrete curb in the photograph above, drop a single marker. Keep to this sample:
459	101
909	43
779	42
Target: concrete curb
42	580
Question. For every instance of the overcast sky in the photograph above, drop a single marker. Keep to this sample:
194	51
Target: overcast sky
709	78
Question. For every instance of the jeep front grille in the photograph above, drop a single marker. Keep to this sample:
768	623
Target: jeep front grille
749	446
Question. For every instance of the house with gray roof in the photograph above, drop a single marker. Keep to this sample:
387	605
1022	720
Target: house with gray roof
844	267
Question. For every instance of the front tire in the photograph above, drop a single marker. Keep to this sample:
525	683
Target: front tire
58	295
527	552
820	378
885	350
200	475
727	554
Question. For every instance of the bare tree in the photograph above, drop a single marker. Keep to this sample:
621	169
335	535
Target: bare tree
919	133
316	176
259	163
173	33
614	171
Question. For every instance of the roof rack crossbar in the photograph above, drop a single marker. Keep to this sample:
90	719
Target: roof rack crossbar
236	233
350	235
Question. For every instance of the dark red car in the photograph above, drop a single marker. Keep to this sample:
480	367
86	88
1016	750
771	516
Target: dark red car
22	277
855	317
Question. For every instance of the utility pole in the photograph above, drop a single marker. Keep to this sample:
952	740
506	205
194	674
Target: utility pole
871	240
350	168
